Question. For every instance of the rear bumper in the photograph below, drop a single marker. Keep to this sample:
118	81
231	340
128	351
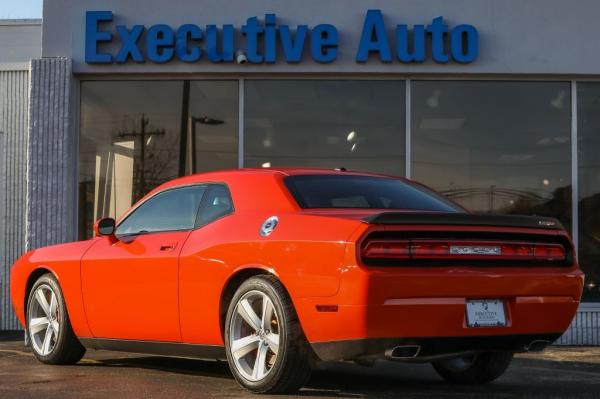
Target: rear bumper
428	348
400	303
430	304
363	330
355	331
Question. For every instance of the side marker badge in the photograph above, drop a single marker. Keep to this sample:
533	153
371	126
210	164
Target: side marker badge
268	226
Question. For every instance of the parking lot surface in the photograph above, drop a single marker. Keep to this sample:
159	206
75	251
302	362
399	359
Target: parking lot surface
557	373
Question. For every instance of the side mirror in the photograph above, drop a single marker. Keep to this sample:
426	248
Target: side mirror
105	227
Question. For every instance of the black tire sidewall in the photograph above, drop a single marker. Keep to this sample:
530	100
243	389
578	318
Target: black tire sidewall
264	286
60	347
486	367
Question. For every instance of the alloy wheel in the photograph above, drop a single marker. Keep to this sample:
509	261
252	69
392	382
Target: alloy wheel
44	320
254	332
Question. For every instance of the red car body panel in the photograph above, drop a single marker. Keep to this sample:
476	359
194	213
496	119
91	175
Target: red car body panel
169	287
143	284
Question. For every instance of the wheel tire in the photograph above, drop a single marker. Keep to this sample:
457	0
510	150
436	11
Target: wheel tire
476	369
66	349
291	368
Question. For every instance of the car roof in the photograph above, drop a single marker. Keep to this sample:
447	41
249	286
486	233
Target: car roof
257	189
281	171
254	180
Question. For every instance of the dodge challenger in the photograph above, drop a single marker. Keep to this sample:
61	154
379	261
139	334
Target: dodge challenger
276	270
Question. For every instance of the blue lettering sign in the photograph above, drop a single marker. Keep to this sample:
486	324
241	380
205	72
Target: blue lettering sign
407	52
129	39
185	35
323	43
270	39
374	41
225	54
159	43
438	30
292	47
467	35
93	36
265	41
373	38
252	30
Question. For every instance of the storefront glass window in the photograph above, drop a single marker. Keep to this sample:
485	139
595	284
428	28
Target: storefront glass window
213	125
588	128
356	124
136	135
495	146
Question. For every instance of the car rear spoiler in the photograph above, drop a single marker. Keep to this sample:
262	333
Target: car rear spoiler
464	219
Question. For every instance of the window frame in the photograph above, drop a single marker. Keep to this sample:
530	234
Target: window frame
196	226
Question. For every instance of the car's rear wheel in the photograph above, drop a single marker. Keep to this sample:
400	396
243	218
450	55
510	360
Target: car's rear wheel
48	326
265	345
478	368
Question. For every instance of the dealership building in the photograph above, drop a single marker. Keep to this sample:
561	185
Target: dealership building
494	104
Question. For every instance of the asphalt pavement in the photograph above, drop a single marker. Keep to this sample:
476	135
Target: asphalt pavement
558	372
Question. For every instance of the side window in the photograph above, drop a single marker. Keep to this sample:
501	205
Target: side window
217	203
170	210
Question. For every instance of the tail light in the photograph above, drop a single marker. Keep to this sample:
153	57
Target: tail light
462	250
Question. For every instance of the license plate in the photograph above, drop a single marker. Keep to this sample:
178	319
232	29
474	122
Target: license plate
486	313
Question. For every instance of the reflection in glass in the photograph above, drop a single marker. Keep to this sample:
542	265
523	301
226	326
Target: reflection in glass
588	129
129	144
495	146
356	124
212	126
135	135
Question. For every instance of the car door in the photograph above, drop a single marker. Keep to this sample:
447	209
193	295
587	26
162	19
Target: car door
130	286
202	271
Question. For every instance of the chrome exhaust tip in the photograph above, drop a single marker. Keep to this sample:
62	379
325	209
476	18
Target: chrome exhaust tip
537	346
403	352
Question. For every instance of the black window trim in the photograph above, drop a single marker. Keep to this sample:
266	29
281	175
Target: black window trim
208	185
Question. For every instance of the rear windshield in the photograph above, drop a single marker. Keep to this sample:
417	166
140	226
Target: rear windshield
351	191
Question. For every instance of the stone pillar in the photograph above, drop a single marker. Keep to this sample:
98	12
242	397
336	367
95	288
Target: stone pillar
51	155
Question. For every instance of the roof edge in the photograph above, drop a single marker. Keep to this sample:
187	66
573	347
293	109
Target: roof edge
20	21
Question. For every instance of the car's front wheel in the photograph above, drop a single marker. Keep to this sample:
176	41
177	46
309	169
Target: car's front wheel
478	368
266	348
49	329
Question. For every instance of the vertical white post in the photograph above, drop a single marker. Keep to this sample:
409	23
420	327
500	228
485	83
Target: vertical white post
574	168
407	129
241	123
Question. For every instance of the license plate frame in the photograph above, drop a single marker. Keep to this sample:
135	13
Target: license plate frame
481	313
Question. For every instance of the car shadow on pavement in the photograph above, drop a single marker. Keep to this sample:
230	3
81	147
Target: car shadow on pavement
203	368
526	378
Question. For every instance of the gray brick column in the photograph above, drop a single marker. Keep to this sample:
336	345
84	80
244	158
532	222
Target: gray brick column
51	155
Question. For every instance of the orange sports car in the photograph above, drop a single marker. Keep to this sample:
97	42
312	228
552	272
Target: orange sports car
278	269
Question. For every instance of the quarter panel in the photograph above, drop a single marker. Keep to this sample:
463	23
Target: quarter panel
306	253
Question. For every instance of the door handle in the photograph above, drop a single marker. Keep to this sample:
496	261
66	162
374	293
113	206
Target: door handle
168	246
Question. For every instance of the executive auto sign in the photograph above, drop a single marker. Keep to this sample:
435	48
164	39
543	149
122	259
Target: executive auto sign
269	42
